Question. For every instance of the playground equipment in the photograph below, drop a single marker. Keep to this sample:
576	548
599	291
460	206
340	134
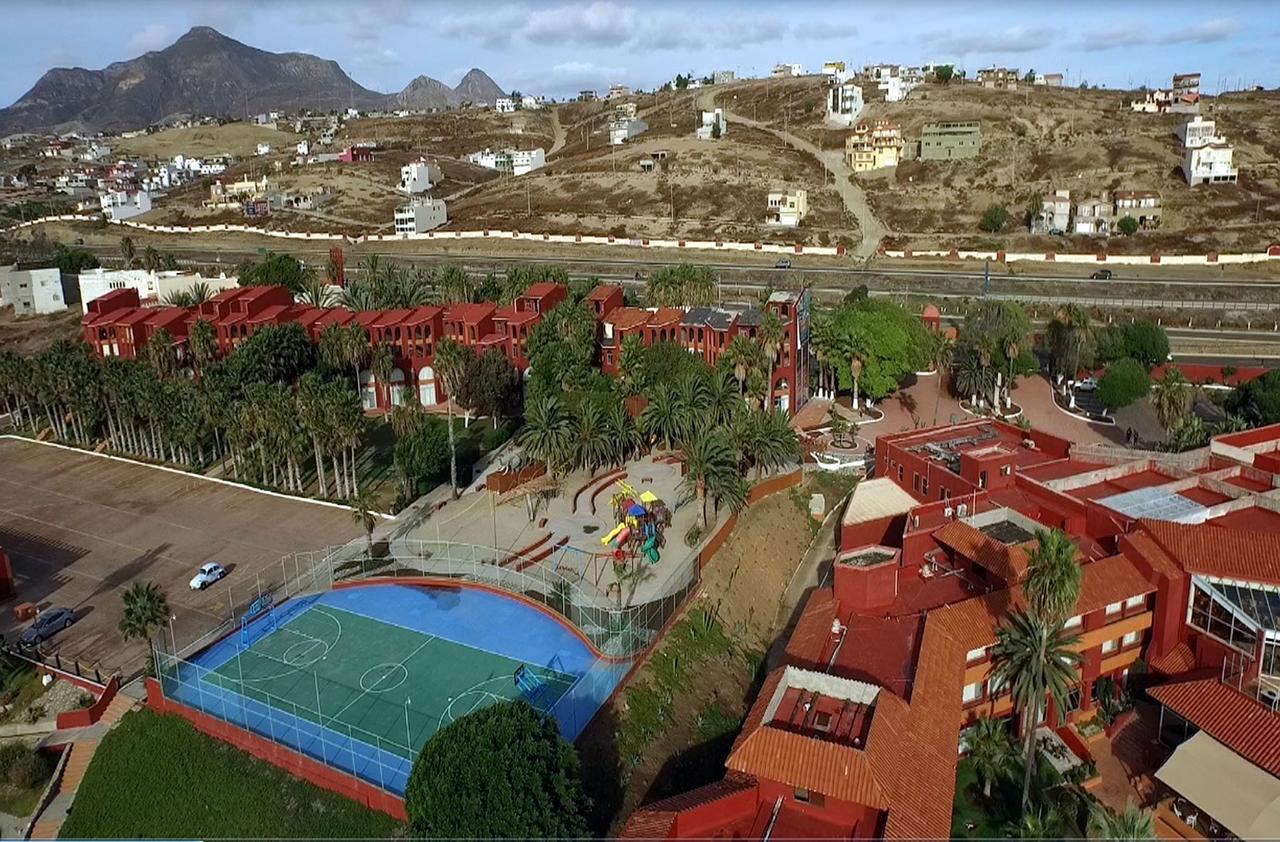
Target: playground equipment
642	518
532	687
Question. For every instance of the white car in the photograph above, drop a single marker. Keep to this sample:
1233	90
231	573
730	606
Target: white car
1087	385
207	575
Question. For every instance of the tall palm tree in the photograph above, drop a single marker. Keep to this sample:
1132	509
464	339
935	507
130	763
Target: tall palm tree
200	292
714	396
150	259
1067	338
942	349
1133	824
145	611
711	470
454	285
364	511
592	447
1052	585
317	292
203	342
382	362
665	417
127	251
971	377
742	356
770	336
991	751
547	434
621	433
1034	659
1170	397
451	361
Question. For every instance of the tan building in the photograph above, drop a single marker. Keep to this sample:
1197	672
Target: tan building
999	78
873	146
1142	205
788	207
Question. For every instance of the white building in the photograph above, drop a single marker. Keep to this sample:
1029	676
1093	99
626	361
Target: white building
788	208
304	147
844	102
419	176
895	89
504	105
1198	132
1095	215
834	68
624	124
96	153
1055	213
510	161
713	125
420	215
263	149
530	103
1210	164
785	69
125	204
32	291
95	283
618	91
723	77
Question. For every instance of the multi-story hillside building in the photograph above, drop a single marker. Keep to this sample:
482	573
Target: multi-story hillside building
950	141
872	146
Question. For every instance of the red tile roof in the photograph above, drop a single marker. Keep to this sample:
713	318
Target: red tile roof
541	289
1009	562
838	771
602	292
1218	551
626	318
1239	722
654	821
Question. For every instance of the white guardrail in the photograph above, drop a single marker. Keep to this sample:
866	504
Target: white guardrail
1155	258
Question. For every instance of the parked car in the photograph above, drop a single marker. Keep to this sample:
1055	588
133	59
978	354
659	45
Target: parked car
207	575
46	625
784	263
1088	384
1057	232
1101	275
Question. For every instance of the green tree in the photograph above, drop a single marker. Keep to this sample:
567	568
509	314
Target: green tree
145	611
1188	433
127	252
1067	337
422	454
770	336
1133	824
711	471
547	434
994	219
944	73
1124	382
275	269
942	349
1033	659
1146	342
685	285
73	261
1052	584
203	342
452	792
1127	225
490	385
991	751
1257	401
150	259
451	364
364	511
1170	397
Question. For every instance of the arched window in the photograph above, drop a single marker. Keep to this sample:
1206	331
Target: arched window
368	390
397	387
427	386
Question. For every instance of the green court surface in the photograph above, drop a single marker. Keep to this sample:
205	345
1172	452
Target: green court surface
393	687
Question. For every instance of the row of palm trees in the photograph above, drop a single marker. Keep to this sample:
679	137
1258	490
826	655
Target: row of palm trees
1035	658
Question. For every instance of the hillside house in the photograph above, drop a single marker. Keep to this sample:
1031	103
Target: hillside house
118	205
844	102
1095	215
950	141
1186	83
504	105
1142	205
1055	214
713	125
1198	132
356	155
1210	164
873	146
1050	80
419	176
834	68
625	124
784	70
421	215
530	103
999	78
33	292
510	161
723	77
618	92
788	208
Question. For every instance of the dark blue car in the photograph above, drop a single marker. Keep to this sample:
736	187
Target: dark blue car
46	626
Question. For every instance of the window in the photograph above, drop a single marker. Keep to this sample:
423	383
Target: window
1114	608
915	481
982	479
900	473
924	487
1131	638
1212	616
802	795
1110	646
976	654
972	692
1136	601
822	721
1073	623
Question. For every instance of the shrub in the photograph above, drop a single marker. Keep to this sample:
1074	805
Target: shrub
27	770
1146	342
994	219
1128	226
1125	382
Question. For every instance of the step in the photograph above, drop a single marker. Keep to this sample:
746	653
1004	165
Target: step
77	764
46	829
545	553
118	707
524	552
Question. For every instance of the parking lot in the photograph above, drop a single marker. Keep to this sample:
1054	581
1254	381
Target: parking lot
81	528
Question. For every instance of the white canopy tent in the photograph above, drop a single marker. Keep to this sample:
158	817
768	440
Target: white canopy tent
1242	797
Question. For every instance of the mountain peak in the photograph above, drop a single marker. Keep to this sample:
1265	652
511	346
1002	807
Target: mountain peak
478	86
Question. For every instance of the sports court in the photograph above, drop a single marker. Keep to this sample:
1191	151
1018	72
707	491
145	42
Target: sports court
360	678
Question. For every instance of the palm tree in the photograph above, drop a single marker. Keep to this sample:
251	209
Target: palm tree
711	470
150	259
592	447
382	362
942	349
716	397
451	364
317	292
200	292
1039	823
665	418
1188	433
991	750
1052	585
771	335
742	357
127	251
145	611
1067	337
1170	396
971	377
364	512
1034	659
548	434
454	285
1132	825
203	342
766	439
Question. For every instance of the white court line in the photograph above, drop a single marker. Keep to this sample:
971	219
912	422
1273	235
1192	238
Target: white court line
190	475
363	693
293	668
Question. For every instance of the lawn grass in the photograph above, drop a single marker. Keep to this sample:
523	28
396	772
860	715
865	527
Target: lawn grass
19	802
156	776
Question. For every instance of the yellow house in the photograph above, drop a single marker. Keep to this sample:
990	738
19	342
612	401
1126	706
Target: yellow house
873	146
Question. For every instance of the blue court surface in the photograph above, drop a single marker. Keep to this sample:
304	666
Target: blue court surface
360	678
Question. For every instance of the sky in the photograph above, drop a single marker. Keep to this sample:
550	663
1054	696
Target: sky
557	48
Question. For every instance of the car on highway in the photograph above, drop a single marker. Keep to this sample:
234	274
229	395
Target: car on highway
1101	275
46	625
207	575
784	263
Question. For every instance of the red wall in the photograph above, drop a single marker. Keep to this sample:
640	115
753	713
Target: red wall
298	765
865	589
885	531
87	716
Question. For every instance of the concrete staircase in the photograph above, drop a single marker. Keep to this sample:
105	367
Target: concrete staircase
117	708
50	821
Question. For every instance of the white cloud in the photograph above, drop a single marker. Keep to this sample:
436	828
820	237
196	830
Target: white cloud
1140	35
567	78
1014	39
155	36
824	30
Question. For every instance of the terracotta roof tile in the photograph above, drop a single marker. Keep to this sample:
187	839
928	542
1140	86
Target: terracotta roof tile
1006	561
833	769
1176	661
1219	551
653	821
1239	722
